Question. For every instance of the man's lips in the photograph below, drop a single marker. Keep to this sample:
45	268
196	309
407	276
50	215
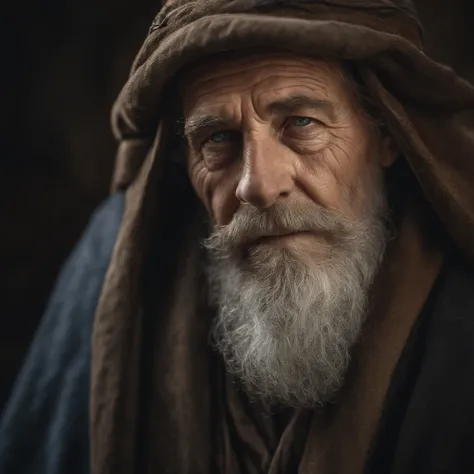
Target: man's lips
277	236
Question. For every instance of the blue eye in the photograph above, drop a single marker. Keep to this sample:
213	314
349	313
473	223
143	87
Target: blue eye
301	121
220	137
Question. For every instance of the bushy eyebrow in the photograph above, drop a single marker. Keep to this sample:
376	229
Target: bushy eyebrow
199	125
293	104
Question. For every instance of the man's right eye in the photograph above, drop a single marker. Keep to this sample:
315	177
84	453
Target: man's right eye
222	137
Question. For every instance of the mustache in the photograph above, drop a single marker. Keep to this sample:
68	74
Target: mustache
250	224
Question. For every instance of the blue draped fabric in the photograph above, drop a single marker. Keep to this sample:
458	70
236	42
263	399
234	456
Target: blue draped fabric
44	427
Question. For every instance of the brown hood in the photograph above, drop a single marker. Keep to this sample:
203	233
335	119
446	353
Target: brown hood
149	343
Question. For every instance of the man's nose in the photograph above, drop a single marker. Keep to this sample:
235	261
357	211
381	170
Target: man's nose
267	174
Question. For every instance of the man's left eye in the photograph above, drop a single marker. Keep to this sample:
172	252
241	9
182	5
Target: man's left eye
301	121
221	137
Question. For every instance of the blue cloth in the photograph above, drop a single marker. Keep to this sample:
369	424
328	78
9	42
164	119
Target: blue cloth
44	427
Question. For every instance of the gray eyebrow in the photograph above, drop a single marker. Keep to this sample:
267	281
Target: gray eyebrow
291	105
199	124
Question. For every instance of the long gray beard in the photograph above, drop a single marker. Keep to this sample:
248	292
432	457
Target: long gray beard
286	322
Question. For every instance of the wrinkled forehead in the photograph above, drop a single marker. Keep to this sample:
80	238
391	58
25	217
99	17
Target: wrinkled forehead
264	71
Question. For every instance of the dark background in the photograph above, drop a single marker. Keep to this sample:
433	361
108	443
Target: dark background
63	64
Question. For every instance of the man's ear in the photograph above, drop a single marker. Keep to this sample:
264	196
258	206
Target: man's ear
389	151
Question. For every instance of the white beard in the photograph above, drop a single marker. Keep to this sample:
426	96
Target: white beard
286	322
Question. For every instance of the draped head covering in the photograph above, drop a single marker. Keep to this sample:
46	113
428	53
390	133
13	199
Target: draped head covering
153	373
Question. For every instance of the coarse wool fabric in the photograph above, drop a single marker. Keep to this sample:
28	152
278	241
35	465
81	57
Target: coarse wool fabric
153	372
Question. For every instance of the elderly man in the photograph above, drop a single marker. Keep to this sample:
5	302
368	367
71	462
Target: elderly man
291	286
290	170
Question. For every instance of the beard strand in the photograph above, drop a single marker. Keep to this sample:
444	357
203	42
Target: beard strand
286	324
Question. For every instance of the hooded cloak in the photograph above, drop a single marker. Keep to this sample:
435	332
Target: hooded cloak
160	401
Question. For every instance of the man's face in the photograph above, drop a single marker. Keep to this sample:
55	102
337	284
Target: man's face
277	129
289	169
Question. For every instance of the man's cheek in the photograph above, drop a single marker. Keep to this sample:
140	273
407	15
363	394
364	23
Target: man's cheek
199	177
321	180
341	154
222	196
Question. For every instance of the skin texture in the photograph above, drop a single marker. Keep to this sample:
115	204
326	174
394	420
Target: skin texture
282	129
